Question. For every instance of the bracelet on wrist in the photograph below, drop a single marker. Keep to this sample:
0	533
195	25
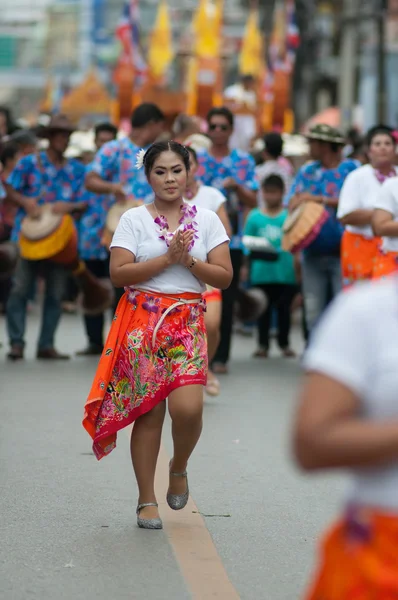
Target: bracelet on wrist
192	263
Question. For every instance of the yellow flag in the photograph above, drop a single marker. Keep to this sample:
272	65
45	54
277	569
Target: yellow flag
160	52
250	60
207	29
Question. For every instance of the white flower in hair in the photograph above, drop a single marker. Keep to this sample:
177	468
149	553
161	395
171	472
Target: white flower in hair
140	159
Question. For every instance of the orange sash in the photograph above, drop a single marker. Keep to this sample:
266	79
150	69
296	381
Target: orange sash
358	256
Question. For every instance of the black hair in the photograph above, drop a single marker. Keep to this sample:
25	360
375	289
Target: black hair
274	181
145	113
106	128
10	124
193	152
377	130
273	143
222	111
158	147
24	137
8	151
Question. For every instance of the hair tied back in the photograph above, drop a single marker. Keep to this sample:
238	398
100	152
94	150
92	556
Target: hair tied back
140	159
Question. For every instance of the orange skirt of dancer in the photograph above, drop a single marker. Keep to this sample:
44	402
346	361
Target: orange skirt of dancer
359	559
386	264
358	256
156	344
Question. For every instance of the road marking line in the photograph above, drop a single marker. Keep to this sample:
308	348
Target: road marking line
196	554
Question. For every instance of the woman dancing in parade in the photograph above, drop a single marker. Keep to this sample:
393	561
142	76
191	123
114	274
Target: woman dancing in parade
385	225
359	245
163	254
348	418
209	197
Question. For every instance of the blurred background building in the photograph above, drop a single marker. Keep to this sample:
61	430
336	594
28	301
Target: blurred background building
59	40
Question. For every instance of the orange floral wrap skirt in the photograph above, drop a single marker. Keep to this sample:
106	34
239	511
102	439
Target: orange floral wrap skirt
358	257
359	559
156	344
386	264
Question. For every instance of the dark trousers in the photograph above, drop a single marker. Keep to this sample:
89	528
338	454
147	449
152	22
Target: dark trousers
94	324
280	297
228	305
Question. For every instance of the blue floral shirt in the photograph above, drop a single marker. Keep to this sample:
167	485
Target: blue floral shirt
92	223
115	162
46	182
213	171
317	180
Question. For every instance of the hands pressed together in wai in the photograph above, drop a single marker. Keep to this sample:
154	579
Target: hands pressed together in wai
178	251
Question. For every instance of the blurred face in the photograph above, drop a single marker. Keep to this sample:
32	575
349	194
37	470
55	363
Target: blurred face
103	137
168	177
316	148
152	131
219	130
193	167
59	141
381	150
28	149
272	196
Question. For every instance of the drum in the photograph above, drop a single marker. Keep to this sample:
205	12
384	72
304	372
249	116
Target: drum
303	225
112	220
8	259
53	237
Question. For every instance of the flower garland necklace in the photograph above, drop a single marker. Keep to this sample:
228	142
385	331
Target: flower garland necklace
188	214
381	177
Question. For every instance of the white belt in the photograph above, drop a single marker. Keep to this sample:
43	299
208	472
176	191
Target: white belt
178	302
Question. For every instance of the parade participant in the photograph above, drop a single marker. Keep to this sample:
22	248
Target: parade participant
91	249
385	225
163	253
113	170
38	179
25	140
231	172
276	279
320	181
274	163
361	188
348	419
208	197
184	126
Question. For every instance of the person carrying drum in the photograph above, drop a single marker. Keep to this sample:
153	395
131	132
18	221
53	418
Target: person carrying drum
46	177
321	181
91	248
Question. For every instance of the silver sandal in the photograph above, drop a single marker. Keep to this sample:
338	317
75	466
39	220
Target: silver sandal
178	501
148	523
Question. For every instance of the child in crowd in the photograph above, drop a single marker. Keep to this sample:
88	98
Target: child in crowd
277	279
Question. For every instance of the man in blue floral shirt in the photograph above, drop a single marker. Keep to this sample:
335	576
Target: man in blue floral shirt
113	170
91	249
233	173
321	181
45	177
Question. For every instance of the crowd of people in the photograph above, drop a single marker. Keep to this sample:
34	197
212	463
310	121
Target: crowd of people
176	261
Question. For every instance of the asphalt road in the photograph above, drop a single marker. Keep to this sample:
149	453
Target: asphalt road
67	522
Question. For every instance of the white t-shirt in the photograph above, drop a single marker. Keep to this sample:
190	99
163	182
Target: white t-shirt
356	343
387	199
360	190
208	197
138	233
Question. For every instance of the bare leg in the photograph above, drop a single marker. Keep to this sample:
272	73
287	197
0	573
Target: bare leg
144	446
212	322
186	409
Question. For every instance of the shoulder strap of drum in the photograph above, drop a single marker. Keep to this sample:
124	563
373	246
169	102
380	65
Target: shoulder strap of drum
42	175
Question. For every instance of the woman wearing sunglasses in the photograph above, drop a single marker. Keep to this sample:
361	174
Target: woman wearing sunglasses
232	172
